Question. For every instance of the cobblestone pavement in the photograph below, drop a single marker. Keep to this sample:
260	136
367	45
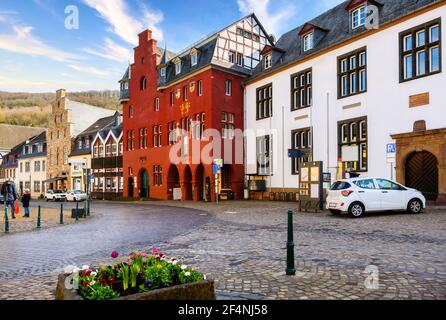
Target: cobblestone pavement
49	218
243	248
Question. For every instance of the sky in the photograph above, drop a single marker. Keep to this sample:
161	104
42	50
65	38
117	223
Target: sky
43	47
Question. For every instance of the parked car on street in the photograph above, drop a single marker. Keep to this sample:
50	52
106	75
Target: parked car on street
360	195
55	195
76	195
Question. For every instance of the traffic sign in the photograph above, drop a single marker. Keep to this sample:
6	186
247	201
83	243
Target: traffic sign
391	148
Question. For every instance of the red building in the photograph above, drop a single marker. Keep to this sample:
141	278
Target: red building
171	103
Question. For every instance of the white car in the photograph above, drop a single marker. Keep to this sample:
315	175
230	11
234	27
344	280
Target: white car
55	195
360	195
76	196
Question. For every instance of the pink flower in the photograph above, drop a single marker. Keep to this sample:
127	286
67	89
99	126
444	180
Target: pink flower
114	254
154	250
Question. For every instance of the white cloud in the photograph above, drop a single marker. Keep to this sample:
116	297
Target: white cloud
123	24
90	70
272	20
22	41
111	51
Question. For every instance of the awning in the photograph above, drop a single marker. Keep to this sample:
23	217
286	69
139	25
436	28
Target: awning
54	180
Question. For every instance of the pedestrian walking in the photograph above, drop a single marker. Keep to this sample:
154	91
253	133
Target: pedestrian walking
10	195
26	199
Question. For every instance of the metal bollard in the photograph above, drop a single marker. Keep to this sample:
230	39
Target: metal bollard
88	207
61	213
290	269
38	217
6	219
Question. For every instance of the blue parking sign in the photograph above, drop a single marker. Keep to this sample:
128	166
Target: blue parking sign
391	148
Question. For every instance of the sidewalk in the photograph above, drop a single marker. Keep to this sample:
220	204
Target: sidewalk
49	218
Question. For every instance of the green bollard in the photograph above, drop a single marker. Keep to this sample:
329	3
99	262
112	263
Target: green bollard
290	269
6	219
61	213
38	218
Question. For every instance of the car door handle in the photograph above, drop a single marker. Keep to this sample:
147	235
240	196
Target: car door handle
361	191
385	191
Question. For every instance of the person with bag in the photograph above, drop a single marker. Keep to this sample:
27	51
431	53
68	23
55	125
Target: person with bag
10	195
26	199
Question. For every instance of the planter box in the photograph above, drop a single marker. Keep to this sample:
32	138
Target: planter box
203	290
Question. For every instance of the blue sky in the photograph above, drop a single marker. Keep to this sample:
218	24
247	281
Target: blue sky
38	54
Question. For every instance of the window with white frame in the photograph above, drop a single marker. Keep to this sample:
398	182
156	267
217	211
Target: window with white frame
302	90
228	87
240	59
227	125
157	104
163	72
308	41
178	67
301	140
200	88
358	17
264	102
268	61
193	59
264	155
232	55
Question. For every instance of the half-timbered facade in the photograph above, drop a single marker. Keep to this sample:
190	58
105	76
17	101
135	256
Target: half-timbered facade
106	161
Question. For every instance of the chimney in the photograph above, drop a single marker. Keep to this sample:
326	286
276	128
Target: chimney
145	36
61	93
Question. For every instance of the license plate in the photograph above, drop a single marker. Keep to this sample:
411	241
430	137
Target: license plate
332	205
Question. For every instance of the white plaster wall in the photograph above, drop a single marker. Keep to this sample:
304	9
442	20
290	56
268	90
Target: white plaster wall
386	104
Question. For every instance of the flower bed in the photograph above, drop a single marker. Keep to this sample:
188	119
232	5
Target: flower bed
140	276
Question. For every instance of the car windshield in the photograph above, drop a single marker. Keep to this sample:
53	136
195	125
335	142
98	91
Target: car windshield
77	192
340	185
58	191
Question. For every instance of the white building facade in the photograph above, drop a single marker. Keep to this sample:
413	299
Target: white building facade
31	170
339	91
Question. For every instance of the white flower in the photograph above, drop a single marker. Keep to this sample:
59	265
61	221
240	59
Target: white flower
175	262
85	267
187	274
183	267
76	270
169	262
92	283
204	277
94	274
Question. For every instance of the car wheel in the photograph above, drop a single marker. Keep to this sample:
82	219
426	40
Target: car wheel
415	206
356	210
335	212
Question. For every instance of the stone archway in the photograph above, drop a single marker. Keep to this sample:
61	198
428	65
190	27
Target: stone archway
187	184
200	176
426	146
421	173
144	191
173	181
131	187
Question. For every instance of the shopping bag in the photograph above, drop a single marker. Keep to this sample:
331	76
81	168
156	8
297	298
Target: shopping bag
16	208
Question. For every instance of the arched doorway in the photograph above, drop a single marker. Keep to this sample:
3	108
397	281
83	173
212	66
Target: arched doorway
187	184
131	187
422	173
144	184
173	181
199	179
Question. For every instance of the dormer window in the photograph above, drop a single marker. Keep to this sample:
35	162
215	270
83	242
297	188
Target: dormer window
193	57
177	66
358	16
163	72
308	41
268	61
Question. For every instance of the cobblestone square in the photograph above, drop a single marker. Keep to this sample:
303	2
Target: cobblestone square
242	245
